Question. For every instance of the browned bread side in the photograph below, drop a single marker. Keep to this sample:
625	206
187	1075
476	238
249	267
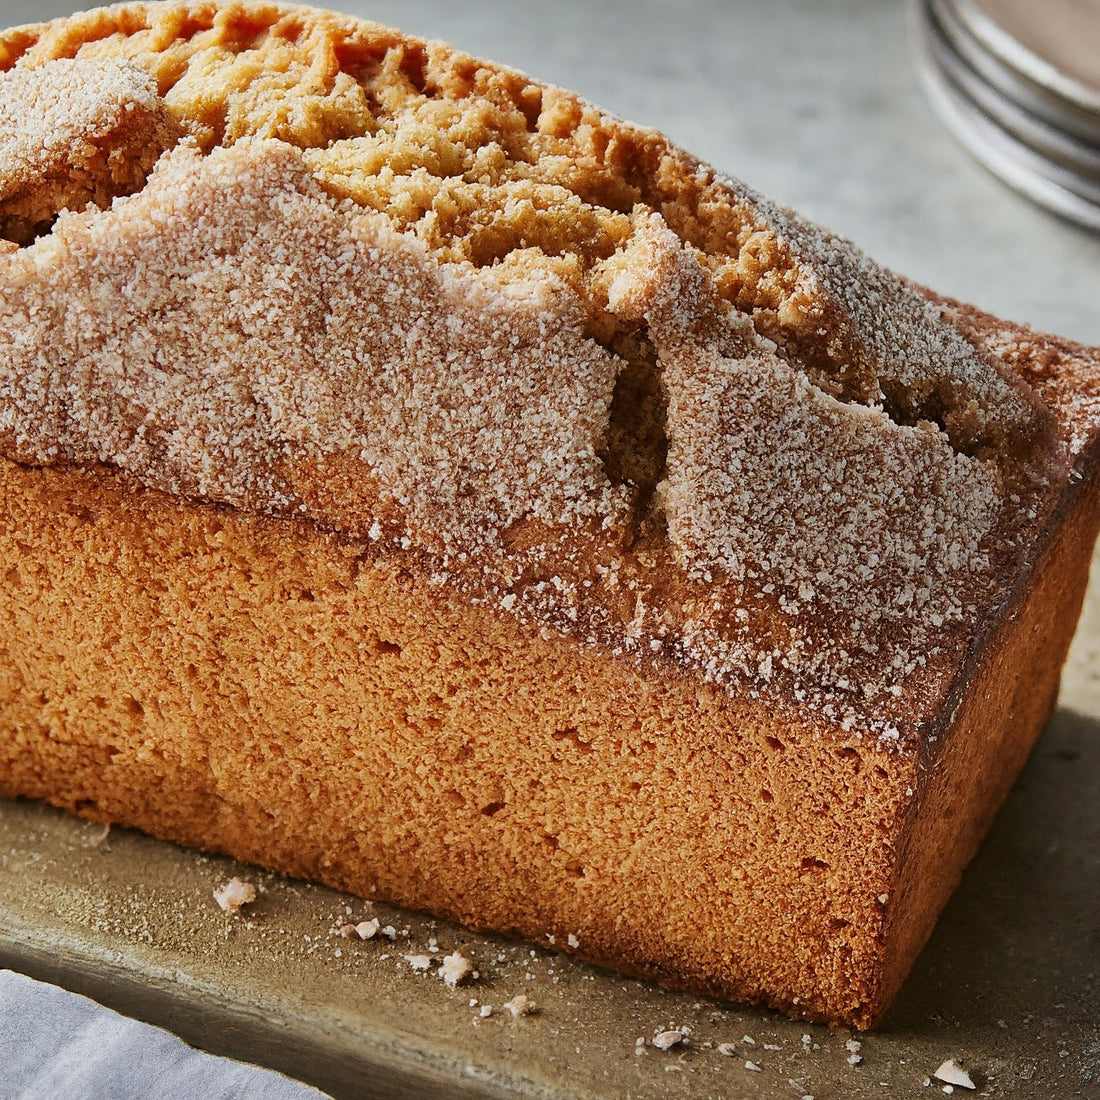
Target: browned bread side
419	480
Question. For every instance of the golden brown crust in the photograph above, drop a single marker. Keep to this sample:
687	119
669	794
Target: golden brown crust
1003	696
407	399
325	711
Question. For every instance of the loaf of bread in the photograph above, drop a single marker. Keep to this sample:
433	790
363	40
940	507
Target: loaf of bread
414	479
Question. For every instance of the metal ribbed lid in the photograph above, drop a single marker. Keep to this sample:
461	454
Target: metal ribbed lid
1019	83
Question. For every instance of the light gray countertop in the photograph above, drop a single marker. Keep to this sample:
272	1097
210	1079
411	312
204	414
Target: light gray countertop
818	103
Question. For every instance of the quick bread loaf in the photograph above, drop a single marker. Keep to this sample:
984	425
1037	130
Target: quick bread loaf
420	481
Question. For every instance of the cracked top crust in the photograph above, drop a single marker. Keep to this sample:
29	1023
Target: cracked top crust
300	264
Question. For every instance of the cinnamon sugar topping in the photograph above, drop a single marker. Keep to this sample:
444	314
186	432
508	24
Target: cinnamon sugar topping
75	132
453	313
272	327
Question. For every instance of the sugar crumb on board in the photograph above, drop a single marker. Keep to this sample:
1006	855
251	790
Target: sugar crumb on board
521	1005
951	1073
455	969
666	1040
233	895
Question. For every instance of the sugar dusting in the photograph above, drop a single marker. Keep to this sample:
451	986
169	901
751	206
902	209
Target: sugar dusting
73	132
238	331
776	485
232	321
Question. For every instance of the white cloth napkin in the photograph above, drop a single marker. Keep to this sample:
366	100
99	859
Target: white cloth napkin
56	1044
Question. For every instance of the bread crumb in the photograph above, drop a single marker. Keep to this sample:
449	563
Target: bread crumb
418	962
521	1005
753	1066
573	941
666	1040
485	1011
455	969
951	1072
234	894
368	929
727	1049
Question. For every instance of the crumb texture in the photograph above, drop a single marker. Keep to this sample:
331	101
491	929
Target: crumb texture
429	303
